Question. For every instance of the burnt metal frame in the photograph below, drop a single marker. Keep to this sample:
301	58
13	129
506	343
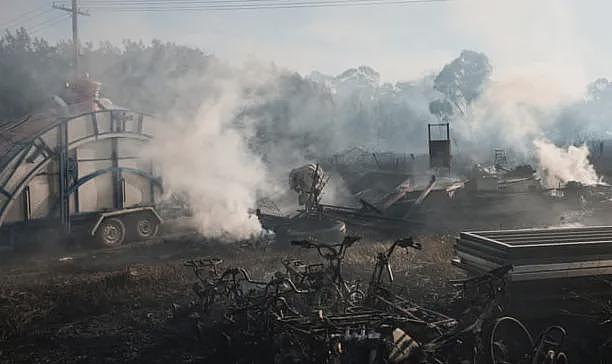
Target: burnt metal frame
438	145
37	152
120	170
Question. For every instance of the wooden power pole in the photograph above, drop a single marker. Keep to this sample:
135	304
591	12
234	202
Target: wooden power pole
75	12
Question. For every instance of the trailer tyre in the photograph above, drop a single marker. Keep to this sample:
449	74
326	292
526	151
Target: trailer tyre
111	233
146	227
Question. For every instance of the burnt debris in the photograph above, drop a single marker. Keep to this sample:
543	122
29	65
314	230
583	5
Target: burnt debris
315	313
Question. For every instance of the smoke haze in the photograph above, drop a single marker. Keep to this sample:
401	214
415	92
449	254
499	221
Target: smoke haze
209	162
559	165
229	135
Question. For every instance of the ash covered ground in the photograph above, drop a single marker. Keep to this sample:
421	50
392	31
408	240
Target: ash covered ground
132	304
136	304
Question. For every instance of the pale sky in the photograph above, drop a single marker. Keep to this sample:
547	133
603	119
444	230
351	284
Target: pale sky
568	39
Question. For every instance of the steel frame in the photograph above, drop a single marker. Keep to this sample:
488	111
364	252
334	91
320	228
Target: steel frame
538	254
30	157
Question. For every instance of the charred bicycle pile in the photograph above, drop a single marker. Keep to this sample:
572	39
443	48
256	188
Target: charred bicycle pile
312	313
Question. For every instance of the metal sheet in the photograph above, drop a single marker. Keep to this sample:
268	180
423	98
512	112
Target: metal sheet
539	253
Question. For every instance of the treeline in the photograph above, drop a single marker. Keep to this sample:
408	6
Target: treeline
306	115
136	75
166	79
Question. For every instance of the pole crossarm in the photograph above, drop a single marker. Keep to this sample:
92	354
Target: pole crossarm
75	12
67	9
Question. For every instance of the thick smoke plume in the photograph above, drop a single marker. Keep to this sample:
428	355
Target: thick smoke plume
558	165
523	113
209	162
229	135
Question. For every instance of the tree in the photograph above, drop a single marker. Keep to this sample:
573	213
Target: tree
31	70
463	80
442	109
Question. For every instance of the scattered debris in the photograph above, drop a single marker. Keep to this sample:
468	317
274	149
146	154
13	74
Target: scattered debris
312	313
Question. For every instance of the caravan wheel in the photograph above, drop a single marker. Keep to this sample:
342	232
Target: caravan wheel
111	233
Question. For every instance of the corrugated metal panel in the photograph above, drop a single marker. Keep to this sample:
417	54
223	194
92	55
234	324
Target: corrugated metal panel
539	253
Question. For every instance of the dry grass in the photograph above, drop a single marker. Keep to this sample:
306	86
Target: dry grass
423	275
120	304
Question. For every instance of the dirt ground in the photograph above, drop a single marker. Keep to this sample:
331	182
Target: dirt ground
132	304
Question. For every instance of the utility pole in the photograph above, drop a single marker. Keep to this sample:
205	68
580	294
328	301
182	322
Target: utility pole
74	10
62	140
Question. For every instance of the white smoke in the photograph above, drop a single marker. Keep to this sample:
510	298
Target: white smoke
519	112
258	125
514	110
208	160
559	165
541	62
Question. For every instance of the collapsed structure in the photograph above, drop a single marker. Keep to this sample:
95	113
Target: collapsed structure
313	313
76	168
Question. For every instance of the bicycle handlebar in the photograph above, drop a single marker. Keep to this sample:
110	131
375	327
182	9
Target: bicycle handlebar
347	242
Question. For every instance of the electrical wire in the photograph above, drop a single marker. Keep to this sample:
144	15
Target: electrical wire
24	14
153	6
153	2
167	3
217	3
48	23
25	17
247	7
208	5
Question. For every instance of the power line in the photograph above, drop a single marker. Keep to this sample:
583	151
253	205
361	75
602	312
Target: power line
49	23
229	8
26	17
189	4
167	3
75	12
45	22
152	6
206	5
26	13
145	3
150	2
245	6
